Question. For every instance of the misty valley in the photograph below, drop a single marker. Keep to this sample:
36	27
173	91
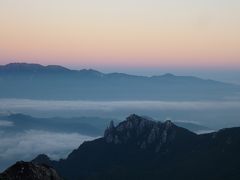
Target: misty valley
87	125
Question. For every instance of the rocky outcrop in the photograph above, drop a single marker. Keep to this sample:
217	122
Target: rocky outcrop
141	148
42	159
29	171
141	131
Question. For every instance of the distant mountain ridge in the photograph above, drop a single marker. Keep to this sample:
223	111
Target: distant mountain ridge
34	81
139	148
38	68
31	68
91	126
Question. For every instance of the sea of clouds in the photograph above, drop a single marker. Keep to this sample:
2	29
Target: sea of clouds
25	145
20	104
30	143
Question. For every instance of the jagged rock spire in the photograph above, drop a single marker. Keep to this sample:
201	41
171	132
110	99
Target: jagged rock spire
108	134
142	131
111	125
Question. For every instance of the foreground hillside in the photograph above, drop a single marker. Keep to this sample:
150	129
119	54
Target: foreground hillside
29	171
139	148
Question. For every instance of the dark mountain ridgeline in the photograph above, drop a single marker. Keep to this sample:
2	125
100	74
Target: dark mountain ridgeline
197	128
21	80
139	148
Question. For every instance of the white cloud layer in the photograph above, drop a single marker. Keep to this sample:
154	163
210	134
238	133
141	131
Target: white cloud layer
20	104
4	123
26	145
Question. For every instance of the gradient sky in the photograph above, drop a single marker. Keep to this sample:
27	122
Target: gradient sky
124	33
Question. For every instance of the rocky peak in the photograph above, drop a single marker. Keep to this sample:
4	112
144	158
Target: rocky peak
168	124
135	122
29	171
42	158
141	131
111	126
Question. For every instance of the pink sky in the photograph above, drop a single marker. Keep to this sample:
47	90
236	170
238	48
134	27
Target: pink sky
121	34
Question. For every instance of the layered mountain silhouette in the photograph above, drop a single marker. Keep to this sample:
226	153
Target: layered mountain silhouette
34	81
140	148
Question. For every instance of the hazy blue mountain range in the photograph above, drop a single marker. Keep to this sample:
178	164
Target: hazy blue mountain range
139	148
34	81
92	126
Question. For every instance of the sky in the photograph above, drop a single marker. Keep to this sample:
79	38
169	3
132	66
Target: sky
127	34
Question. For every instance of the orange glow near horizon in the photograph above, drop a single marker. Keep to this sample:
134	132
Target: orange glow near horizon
129	33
